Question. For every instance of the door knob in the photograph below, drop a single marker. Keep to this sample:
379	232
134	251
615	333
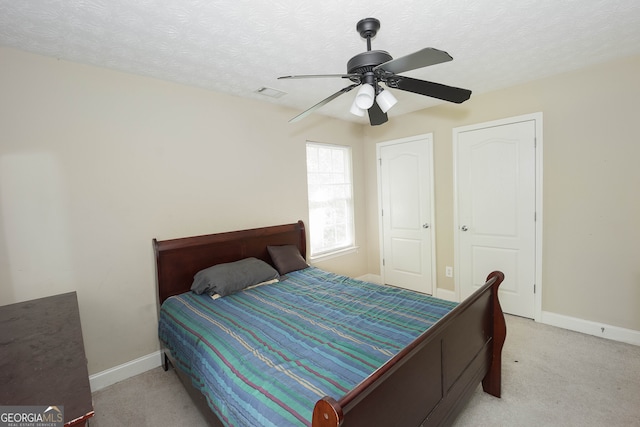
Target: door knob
425	225
464	228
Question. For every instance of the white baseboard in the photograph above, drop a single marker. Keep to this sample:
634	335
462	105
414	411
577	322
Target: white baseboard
440	293
602	330
126	370
446	294
371	278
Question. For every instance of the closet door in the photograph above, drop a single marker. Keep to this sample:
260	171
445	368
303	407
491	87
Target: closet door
406	196
496	211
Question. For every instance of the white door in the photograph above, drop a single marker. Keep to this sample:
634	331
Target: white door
496	207
406	194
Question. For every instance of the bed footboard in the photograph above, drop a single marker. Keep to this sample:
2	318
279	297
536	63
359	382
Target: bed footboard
430	381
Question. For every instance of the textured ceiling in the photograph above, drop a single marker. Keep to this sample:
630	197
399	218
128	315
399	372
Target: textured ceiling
238	46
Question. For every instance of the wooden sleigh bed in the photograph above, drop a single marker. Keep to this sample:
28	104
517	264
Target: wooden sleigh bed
427	383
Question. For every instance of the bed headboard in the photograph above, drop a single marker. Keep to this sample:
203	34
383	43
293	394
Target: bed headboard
178	260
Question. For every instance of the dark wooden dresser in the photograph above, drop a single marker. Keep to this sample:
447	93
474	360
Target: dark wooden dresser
42	359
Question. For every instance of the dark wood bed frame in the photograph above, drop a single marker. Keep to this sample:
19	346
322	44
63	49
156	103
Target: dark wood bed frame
427	383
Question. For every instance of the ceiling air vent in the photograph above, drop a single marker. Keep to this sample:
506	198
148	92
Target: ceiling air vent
270	92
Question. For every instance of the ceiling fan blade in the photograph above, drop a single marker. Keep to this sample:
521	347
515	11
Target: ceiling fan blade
321	103
376	116
318	76
422	58
434	90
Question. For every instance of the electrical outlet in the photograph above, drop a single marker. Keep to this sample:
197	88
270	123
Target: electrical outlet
448	271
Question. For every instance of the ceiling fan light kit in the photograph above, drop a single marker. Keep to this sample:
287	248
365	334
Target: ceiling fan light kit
365	96
369	69
386	100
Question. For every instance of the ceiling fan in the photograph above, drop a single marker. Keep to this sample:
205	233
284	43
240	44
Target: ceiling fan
369	69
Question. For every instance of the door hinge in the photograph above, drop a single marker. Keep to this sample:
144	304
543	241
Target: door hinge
383	262
380	160
534	288
535	216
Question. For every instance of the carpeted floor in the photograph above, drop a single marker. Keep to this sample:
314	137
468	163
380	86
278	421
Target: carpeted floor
551	377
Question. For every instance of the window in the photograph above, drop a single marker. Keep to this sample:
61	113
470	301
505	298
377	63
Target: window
329	183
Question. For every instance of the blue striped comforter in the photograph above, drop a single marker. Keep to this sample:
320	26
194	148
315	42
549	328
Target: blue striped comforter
264	356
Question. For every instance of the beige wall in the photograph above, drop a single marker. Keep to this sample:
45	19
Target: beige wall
95	163
591	191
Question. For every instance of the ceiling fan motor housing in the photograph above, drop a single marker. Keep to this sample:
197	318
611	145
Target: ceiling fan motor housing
365	62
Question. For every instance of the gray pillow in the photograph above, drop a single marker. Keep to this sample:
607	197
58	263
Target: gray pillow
286	258
225	279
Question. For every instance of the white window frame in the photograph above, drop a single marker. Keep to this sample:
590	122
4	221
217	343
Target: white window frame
323	184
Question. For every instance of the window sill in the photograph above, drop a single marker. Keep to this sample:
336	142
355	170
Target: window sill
329	255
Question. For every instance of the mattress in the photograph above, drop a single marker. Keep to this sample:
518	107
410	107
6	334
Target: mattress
264	356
